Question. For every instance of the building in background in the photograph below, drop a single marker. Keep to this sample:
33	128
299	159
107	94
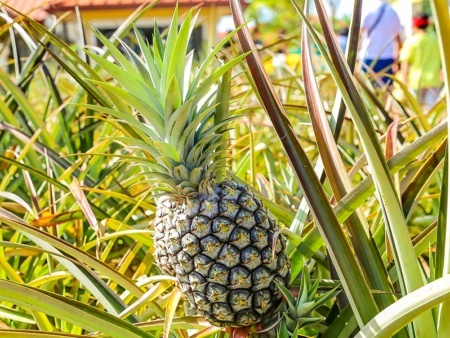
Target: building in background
108	15
34	9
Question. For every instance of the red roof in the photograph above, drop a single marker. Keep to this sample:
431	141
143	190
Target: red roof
38	9
65	5
34	8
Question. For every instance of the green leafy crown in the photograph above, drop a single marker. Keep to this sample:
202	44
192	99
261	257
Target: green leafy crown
167	102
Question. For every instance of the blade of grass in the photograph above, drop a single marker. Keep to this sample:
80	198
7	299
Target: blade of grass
56	245
80	197
406	309
187	322
171	308
41	319
222	111
6	313
338	113
25	106
68	309
35	334
422	179
93	283
442	231
366	188
19	200
152	294
18	28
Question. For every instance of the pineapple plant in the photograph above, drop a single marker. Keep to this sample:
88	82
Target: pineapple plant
210	232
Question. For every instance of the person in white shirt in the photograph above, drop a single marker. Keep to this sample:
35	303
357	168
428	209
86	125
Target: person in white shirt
380	38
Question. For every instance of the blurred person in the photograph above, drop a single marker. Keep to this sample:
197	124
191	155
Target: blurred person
256	35
380	38
279	59
342	37
420	62
224	26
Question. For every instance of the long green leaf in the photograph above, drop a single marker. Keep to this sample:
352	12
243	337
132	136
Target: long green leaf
422	179
171	309
409	273
129	82
127	118
356	224
406	309
56	245
26	107
442	229
70	310
179	51
351	276
366	188
36	334
152	116
442	19
221	114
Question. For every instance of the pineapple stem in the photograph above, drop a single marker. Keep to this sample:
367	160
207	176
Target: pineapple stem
241	332
222	111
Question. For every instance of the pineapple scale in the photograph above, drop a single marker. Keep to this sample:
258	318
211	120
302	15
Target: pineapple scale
223	249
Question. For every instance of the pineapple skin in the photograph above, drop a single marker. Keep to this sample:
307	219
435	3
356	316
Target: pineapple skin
224	250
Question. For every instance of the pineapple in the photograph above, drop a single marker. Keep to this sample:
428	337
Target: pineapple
212	234
221	245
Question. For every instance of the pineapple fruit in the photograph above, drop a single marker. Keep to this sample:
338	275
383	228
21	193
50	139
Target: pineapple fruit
214	236
221	245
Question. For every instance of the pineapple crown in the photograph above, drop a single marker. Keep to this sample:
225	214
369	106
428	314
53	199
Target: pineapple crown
167	106
300	310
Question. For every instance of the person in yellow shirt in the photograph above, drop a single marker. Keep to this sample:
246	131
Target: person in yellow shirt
421	63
